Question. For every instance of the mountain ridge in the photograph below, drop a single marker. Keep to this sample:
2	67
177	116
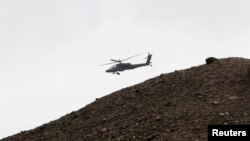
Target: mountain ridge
170	107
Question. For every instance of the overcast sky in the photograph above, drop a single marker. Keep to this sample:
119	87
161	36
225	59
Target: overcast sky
50	49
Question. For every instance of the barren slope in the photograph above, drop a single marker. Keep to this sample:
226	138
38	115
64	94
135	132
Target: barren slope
171	107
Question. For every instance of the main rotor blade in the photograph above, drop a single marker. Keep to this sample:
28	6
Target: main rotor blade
131	57
118	61
107	64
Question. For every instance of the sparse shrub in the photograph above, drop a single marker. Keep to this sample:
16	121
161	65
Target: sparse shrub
211	60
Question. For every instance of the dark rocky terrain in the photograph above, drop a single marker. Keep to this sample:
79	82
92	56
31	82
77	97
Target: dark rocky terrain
176	106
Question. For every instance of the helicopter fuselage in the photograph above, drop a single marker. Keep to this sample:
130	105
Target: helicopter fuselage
124	66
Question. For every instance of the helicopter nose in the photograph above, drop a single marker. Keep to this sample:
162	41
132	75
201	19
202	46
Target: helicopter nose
108	71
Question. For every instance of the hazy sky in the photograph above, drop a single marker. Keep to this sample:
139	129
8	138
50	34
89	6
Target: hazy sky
50	49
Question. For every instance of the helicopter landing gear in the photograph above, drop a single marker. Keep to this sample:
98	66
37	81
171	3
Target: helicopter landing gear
117	73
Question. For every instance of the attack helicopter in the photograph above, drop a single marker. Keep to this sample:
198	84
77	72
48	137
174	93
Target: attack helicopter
120	66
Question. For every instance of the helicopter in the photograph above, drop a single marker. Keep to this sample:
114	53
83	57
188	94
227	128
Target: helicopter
120	66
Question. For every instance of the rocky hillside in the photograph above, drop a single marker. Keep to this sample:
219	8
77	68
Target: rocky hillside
176	106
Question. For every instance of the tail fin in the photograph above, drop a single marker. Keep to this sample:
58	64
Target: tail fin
148	59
